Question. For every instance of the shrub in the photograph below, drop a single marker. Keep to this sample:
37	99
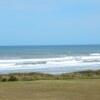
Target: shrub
4	80
12	78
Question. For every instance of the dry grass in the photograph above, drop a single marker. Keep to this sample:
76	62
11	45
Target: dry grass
77	89
41	76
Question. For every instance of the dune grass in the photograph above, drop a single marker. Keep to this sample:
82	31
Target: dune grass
77	89
40	76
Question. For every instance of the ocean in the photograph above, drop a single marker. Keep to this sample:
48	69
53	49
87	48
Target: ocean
52	59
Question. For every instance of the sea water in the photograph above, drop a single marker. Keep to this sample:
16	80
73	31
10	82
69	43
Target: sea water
51	59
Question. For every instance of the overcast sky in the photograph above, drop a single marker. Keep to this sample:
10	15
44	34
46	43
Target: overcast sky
49	22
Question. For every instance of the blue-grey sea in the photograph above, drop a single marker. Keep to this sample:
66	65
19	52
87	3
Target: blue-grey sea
53	59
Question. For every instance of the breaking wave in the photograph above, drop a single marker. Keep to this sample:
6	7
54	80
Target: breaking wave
95	54
69	61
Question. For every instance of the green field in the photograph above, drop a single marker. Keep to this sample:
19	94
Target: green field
76	89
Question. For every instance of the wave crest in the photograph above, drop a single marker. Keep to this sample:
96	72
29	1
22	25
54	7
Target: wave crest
95	54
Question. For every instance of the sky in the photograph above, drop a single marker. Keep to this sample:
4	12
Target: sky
49	22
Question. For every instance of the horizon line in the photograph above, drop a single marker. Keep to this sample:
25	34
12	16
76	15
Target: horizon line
50	45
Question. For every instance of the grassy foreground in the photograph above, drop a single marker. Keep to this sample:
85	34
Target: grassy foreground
77	89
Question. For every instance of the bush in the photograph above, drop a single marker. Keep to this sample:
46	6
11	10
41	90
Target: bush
12	78
4	80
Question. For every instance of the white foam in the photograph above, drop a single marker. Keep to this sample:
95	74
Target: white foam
95	54
69	58
71	61
64	62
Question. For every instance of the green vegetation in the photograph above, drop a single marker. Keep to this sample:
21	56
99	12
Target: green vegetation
40	76
77	89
